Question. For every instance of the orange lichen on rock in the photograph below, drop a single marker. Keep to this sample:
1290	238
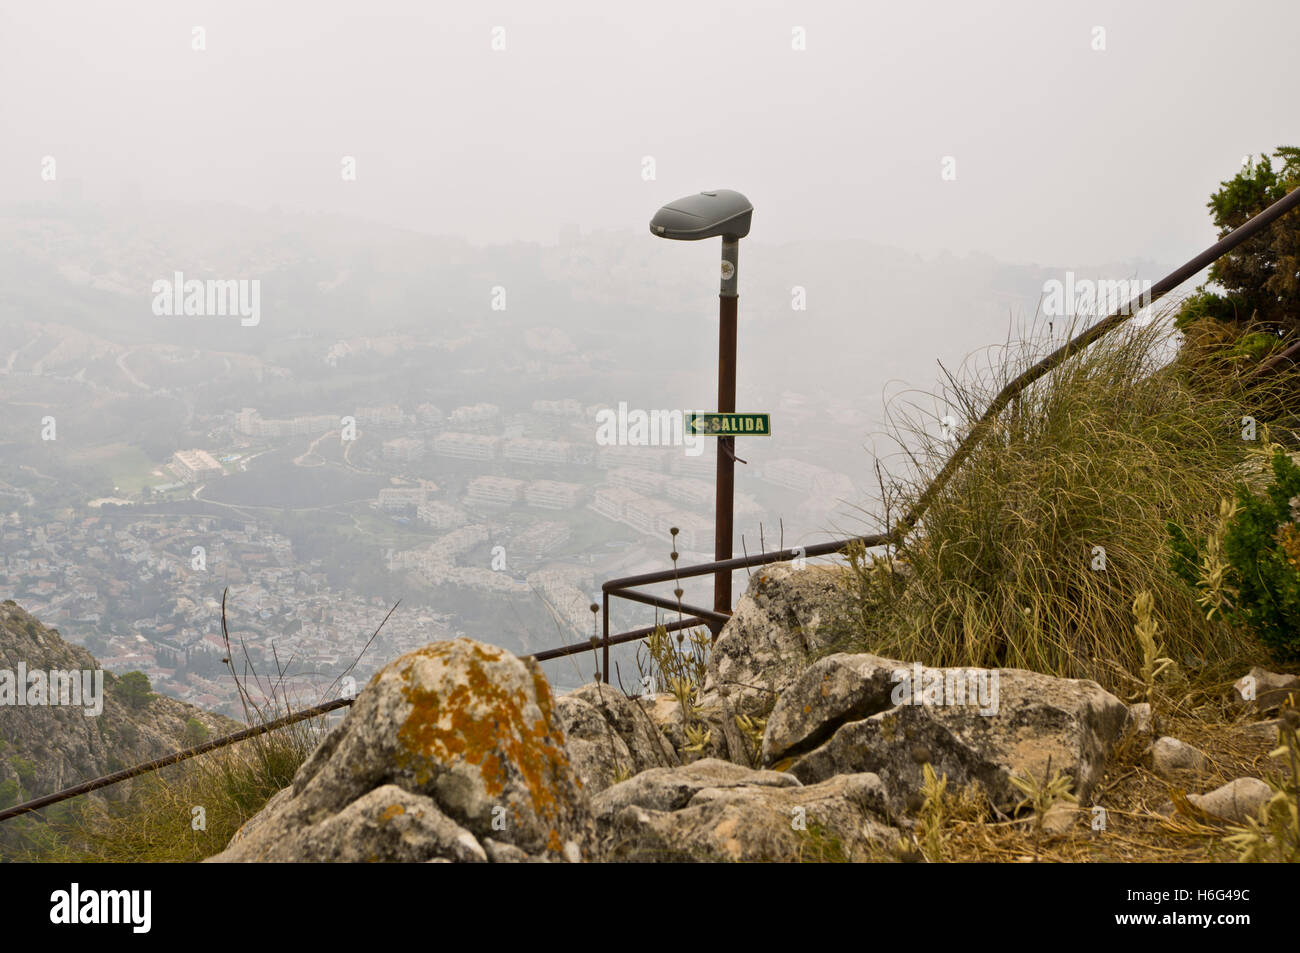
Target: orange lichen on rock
482	722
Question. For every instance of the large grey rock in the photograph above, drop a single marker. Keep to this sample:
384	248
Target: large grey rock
834	690
1173	760
609	737
447	747
787	616
668	789
1234	801
716	811
1261	691
1038	720
387	824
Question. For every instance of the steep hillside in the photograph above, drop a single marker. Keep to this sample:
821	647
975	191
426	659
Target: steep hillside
46	747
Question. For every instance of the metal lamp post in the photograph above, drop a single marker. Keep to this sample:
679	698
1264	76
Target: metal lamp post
726	214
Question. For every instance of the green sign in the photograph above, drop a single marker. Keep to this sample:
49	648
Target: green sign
729	425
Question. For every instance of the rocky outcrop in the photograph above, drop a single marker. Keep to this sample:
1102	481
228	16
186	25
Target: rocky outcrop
786	618
713	810
610	737
834	690
838	719
452	752
47	747
457	752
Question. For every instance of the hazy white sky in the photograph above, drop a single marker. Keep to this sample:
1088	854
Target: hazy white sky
1063	153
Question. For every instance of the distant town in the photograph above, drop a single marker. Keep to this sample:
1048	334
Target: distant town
477	506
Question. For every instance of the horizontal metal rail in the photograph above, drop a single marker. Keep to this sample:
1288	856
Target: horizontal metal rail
694	618
577	648
622	588
127	773
35	804
661	603
743	562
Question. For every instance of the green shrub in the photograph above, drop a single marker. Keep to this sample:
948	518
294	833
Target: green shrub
1255	345
1258	280
10	791
1263	547
135	689
1259	563
195	732
24	768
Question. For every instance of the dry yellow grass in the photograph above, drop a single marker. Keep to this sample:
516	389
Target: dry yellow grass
1139	826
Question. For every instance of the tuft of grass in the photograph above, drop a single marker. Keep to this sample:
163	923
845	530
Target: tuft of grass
1041	795
930	824
181	814
1033	554
819	846
190	810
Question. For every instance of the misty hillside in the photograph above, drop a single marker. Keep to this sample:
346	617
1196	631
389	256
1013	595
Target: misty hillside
46	748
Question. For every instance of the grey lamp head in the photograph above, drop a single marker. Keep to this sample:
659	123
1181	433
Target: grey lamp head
704	215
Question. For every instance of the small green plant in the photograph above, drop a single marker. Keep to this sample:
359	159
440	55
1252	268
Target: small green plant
1255	346
931	821
677	665
1153	662
1042	794
1204	567
1248	568
697	738
752	729
820	846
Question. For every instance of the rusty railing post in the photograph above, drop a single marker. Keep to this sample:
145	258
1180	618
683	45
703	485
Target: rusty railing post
604	633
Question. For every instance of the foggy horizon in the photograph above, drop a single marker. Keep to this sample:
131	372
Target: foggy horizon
840	139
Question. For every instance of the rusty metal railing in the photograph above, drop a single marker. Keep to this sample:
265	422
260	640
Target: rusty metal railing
625	587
